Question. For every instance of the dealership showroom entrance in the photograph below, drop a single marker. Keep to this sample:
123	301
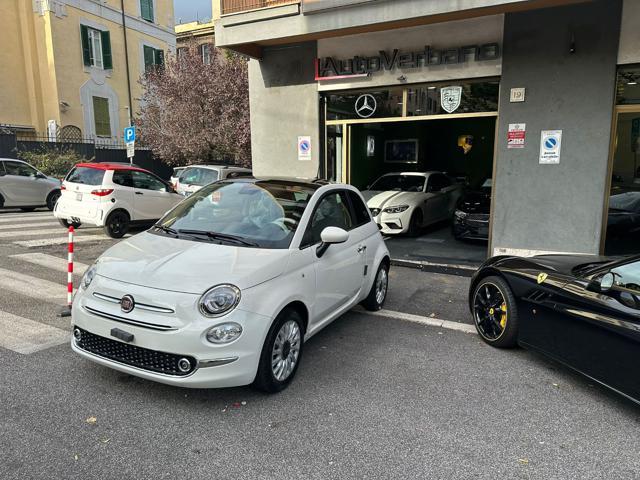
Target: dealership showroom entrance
423	158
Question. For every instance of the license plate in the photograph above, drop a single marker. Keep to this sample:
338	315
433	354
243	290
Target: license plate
79	197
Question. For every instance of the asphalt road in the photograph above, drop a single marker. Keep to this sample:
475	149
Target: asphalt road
374	398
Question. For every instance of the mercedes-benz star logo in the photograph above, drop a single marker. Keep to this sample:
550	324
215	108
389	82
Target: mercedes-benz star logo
127	304
366	105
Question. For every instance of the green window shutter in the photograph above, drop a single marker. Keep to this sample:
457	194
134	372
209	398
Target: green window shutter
146	10
101	116
107	61
149	57
86	48
158	57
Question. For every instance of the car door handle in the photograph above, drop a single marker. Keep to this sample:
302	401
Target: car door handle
362	248
139	193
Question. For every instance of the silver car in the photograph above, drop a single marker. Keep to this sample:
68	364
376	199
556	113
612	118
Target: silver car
25	187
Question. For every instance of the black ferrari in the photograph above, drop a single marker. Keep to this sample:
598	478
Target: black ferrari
582	311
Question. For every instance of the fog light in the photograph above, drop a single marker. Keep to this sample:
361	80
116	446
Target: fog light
184	365
77	334
224	333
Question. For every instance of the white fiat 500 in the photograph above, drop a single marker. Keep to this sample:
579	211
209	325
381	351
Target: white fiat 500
226	287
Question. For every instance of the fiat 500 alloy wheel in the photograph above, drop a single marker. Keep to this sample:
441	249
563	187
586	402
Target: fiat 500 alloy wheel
286	350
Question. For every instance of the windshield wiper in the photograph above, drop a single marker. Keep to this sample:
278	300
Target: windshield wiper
220	236
165	229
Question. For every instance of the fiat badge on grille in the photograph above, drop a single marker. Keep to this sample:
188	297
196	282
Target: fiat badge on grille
127	304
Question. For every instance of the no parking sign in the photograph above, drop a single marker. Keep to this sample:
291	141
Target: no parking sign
304	148
550	143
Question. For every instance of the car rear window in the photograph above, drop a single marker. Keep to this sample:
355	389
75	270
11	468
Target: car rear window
85	176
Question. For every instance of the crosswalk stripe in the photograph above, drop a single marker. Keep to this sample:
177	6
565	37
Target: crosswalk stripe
50	261
32	287
45	242
26	218
32	233
27	336
28	225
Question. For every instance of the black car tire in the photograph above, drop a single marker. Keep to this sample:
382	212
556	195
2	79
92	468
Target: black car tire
67	224
265	379
52	199
117	224
414	223
373	302
508	338
27	209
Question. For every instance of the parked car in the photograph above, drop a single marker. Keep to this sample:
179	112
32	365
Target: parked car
583	311
226	287
624	214
113	196
471	218
194	177
25	187
407	202
175	175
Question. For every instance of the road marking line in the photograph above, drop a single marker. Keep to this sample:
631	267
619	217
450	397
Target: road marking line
31	218
28	225
33	233
45	242
432	322
26	336
32	287
50	261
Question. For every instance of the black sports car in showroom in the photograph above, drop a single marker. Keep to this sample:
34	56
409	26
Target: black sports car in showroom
471	217
583	311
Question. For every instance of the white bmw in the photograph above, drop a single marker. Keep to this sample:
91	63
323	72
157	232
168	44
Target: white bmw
407	202
224	290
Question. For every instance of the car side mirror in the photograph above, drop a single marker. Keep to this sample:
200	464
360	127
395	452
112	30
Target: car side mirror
330	236
602	285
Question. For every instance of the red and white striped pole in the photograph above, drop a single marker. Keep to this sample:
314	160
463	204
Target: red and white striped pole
70	269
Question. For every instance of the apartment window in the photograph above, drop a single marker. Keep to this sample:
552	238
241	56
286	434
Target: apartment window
152	58
206	53
146	10
101	116
96	48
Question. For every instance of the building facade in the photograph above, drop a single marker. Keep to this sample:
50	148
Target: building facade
537	98
199	34
70	68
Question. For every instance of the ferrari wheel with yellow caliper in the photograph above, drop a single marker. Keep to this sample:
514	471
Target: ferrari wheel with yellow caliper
494	312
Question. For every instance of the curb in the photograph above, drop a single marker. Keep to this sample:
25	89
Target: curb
433	267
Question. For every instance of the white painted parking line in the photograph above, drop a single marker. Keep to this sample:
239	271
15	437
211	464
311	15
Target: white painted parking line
26	218
32	233
50	261
26	336
13	226
45	242
432	322
32	287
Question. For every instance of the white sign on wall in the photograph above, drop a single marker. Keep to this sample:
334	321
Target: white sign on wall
550	143
304	148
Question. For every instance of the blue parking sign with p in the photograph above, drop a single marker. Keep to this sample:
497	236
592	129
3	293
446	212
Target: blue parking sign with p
130	134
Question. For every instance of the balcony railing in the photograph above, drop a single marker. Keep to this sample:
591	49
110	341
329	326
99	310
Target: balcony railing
237	6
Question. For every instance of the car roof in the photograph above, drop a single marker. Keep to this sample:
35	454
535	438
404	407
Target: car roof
312	184
13	160
223	167
112	166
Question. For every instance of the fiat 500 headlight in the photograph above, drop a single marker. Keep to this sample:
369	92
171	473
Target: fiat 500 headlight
88	276
224	333
219	300
396	209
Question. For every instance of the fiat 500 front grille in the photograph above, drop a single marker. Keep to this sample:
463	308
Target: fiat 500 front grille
143	358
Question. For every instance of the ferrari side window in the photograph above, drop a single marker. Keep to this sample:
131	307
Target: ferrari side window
628	276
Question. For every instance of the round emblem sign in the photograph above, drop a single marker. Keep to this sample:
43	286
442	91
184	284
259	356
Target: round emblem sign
127	304
366	105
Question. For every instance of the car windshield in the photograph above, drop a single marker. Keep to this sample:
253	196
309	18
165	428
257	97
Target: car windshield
85	176
399	183
262	214
198	176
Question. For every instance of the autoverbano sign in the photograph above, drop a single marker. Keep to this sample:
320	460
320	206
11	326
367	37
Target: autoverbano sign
330	68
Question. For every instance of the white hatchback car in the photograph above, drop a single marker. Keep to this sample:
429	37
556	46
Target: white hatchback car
224	290
194	177
25	187
114	196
